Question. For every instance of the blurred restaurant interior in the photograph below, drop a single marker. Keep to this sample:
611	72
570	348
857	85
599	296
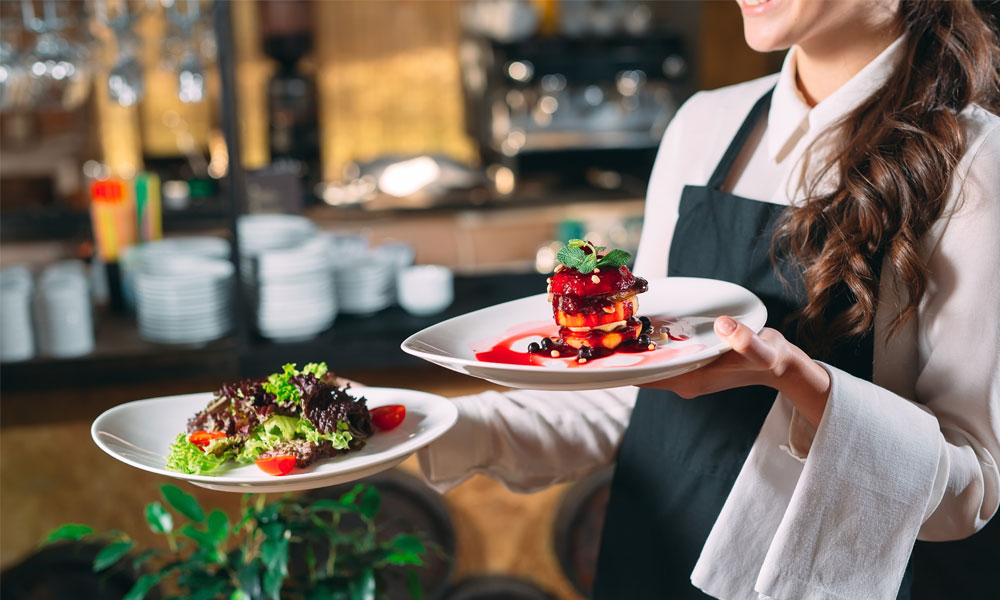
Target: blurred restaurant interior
381	165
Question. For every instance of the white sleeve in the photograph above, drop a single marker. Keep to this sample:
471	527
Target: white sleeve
529	440
959	339
958	362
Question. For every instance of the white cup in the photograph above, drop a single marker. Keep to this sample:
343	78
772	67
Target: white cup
425	289
65	319
16	339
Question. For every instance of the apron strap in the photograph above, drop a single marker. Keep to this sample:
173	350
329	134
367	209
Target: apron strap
722	169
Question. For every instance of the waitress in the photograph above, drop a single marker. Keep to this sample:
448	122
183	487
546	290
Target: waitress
857	193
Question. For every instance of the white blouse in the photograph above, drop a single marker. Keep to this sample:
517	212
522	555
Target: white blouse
825	513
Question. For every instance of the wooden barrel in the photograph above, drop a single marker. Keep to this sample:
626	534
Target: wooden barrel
65	572
496	587
577	529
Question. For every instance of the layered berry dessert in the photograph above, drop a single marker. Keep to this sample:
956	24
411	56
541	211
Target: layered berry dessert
594	300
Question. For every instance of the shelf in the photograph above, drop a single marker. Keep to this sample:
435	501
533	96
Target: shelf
52	223
353	343
120	357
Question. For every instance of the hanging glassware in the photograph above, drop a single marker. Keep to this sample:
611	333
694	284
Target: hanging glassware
14	79
190	68
58	66
126	83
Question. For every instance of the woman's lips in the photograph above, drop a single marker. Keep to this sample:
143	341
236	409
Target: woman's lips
753	8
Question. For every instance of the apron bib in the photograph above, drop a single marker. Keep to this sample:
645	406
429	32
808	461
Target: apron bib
680	457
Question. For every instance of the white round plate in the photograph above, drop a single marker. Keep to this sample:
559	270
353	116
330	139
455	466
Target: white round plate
696	302
140	433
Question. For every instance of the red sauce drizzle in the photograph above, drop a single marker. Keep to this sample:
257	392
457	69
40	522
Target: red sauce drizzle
503	351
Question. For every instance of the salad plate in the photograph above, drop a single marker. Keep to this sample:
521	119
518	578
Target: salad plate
140	433
492	343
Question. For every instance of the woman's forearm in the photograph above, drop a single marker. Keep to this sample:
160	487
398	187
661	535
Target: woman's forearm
805	383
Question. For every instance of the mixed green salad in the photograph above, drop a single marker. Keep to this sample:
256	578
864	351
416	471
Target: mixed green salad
290	419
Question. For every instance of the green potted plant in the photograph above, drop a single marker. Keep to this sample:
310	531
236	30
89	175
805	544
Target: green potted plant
287	549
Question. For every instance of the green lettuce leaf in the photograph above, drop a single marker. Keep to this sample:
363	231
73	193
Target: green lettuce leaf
284	391
186	457
279	429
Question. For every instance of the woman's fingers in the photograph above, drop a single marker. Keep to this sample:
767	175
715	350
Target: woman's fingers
759	350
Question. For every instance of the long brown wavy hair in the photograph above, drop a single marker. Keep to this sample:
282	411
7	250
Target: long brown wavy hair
892	168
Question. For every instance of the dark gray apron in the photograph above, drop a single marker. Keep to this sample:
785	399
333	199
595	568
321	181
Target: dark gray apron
680	458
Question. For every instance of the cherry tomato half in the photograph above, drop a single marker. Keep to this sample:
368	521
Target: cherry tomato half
203	438
277	465
388	417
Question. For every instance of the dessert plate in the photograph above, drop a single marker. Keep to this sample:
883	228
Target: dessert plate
487	342
140	433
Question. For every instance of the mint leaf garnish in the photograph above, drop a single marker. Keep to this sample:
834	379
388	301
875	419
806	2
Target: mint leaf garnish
585	257
571	256
615	258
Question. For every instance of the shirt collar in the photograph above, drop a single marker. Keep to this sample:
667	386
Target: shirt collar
790	118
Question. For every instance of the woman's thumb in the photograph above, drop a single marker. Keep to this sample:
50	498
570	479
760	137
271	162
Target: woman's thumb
738	336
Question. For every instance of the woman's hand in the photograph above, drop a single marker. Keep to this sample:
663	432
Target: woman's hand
765	359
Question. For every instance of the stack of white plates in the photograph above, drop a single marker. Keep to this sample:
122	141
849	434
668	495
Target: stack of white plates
287	276
365	284
16	339
150	254
184	299
261	233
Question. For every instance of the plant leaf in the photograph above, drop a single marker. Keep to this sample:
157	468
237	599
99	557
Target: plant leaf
615	258
69	531
408	543
588	264
363	587
349	497
111	554
142	587
413	585
272	584
208	590
576	243
160	521
239	594
333	505
268	513
218	526
183	502
371	500
249	579
202	538
403	558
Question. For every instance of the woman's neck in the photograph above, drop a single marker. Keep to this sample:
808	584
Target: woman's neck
823	65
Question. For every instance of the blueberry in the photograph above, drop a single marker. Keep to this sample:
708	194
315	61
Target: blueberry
534	348
585	352
644	340
646	324
547	343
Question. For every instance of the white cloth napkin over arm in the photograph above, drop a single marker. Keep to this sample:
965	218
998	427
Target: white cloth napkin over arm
842	525
862	497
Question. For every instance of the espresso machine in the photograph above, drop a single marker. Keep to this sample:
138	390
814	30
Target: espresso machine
573	107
